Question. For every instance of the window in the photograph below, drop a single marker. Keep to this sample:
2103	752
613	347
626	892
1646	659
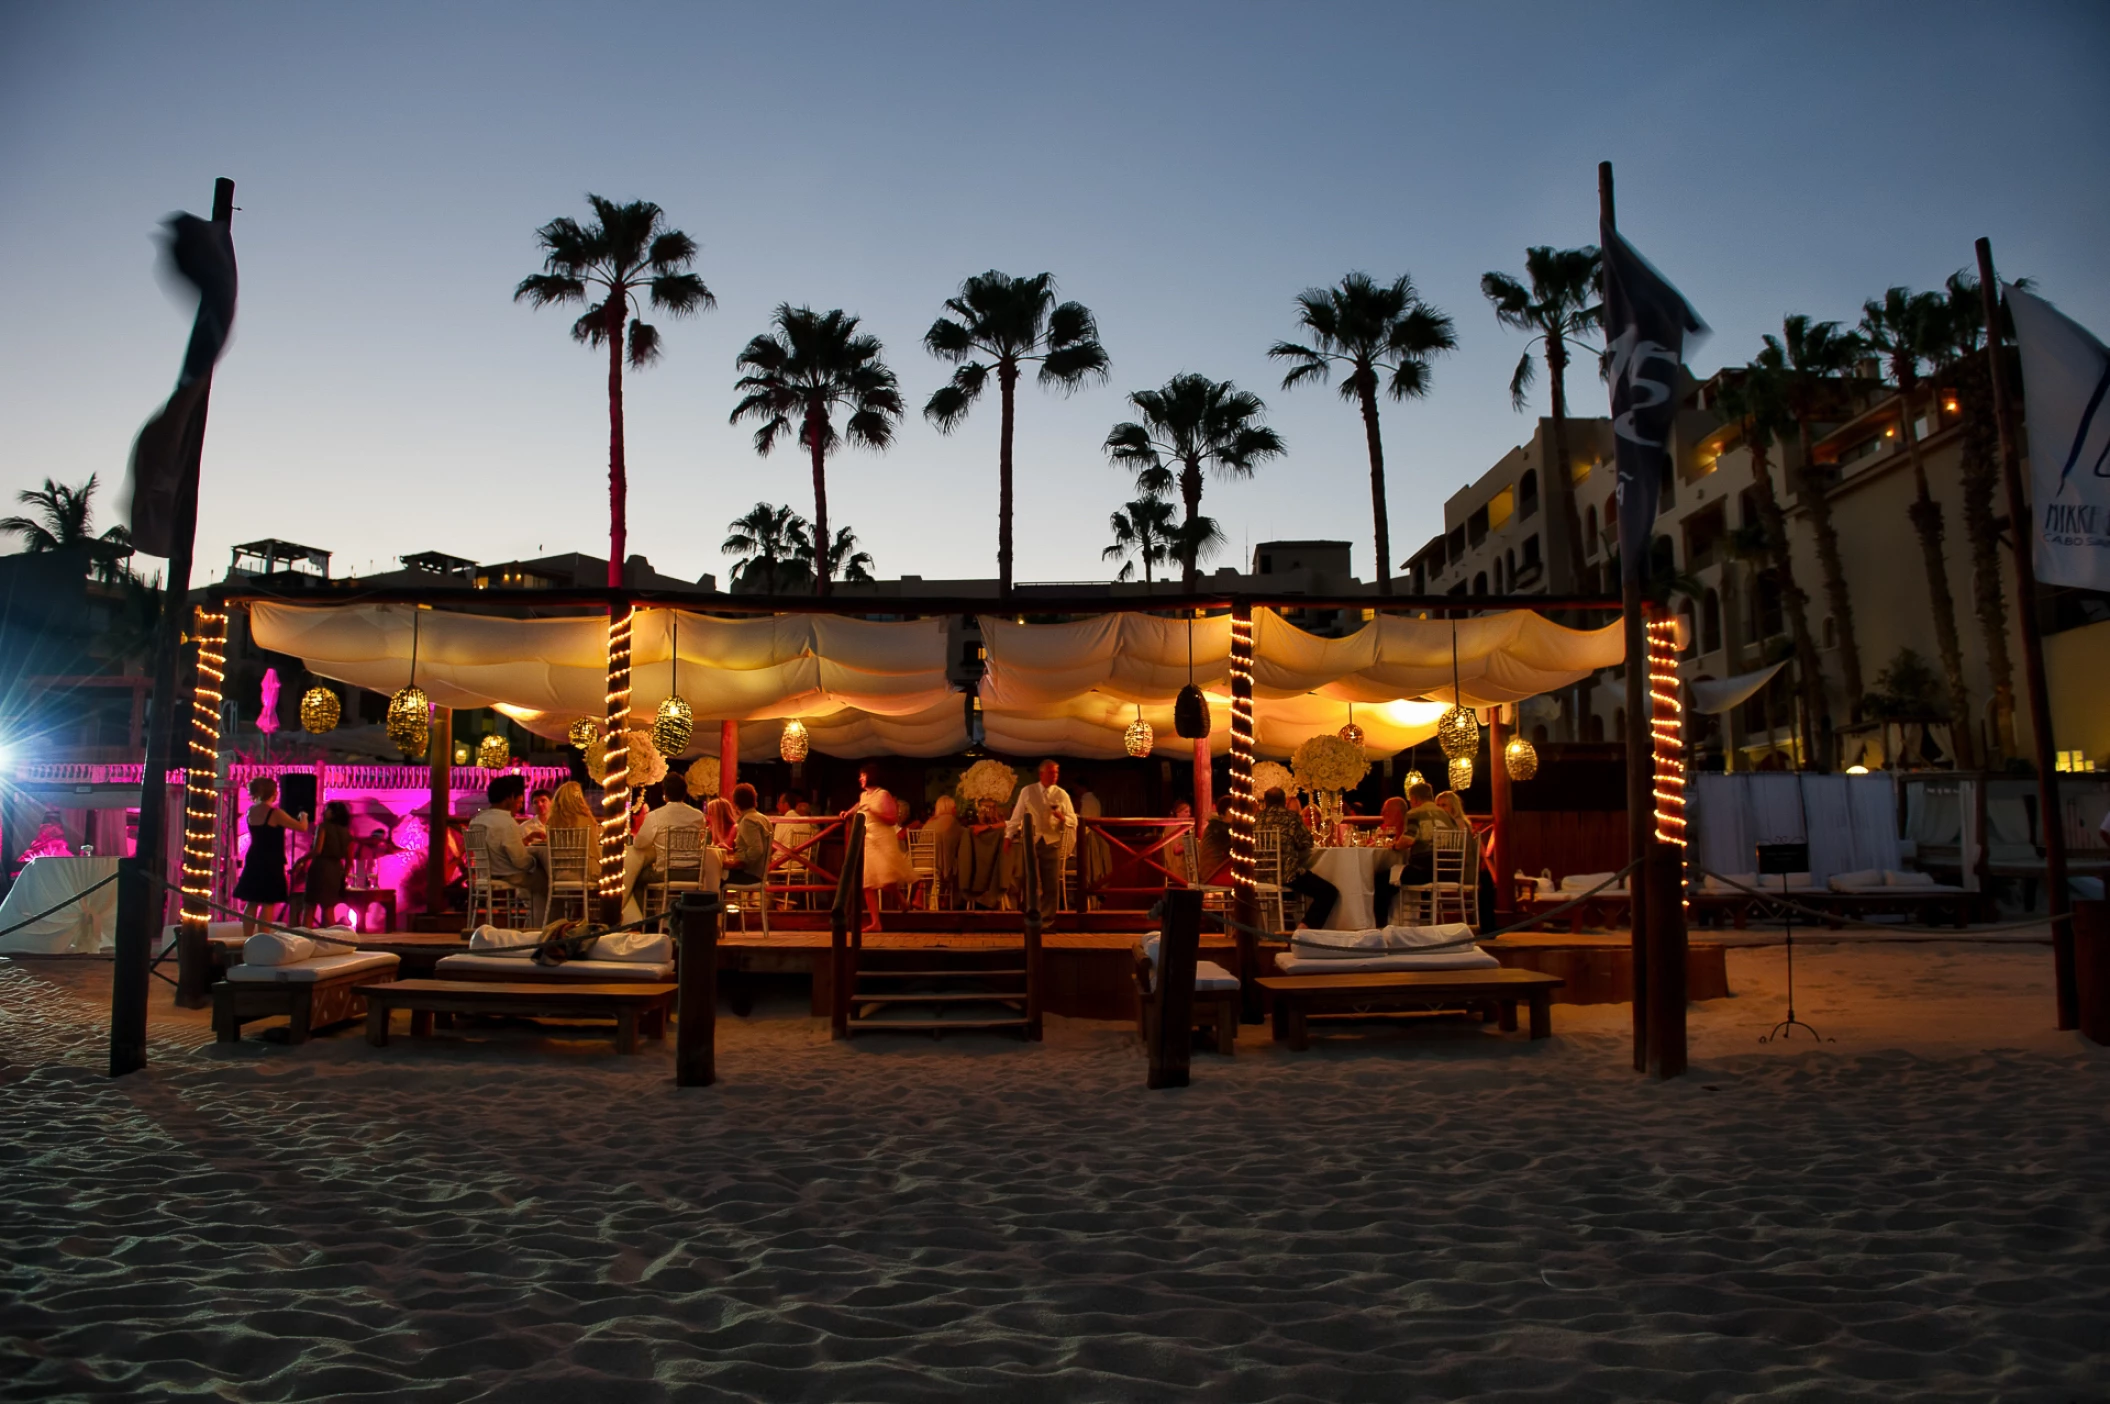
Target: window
1267	565
1455	547
1531	552
1480	583
1528	493
1499	578
1593	729
1710	622
1501	507
1687	631
1476	527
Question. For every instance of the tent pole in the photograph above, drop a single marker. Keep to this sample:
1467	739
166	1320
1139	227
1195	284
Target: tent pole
728	758
439	755
1245	908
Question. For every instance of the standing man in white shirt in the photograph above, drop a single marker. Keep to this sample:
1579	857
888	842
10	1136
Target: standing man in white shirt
1054	818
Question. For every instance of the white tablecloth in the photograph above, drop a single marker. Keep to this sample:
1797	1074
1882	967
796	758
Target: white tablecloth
1354	872
86	927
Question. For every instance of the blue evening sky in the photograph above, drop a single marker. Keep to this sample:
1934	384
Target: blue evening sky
1183	169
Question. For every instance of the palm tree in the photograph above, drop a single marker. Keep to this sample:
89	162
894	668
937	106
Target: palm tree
1192	421
767	540
65	521
1144	528
1371	330
1816	354
1561	305
1002	323
844	559
1903	327
625	255
1963	356
1757	402
814	366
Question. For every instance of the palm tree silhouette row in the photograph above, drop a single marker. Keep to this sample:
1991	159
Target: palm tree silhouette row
65	521
1817	354
1373	332
1144	528
776	549
1560	306
814	368
625	255
1000	323
1192	422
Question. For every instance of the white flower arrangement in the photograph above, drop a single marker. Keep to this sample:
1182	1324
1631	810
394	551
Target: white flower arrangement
647	766
988	780
1272	775
1327	763
703	777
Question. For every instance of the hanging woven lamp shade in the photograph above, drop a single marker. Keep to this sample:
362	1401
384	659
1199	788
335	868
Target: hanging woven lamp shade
1414	777
1521	757
494	752
1190	713
673	727
319	711
1458	733
585	733
794	743
1351	733
1461	773
1139	737
409	723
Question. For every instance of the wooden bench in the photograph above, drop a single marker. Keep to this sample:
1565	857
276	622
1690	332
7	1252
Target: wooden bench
1296	997
1214	1010
633	1007
311	995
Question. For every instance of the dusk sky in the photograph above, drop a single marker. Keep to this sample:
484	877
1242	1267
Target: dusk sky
1183	170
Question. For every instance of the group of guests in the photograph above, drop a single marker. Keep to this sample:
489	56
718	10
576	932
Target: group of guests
1407	828
263	889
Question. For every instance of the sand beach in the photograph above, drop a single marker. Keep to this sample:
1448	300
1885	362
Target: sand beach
1919	1210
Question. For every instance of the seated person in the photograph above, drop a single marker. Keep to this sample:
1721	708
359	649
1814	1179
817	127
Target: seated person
1293	842
749	860
641	857
535	827
1216	845
513	862
1424	819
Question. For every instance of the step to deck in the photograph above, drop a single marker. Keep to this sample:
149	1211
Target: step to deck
956	973
935	1025
946	997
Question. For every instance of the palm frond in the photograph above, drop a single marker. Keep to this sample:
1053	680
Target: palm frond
949	403
681	294
1071	367
542	289
644	345
1520	381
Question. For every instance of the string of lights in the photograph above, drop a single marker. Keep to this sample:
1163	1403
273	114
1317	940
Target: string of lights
1241	800
1666	729
201	796
615	780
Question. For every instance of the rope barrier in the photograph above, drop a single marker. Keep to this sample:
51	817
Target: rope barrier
54	911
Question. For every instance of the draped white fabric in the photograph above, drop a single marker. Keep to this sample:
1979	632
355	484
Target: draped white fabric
1849	821
1716	696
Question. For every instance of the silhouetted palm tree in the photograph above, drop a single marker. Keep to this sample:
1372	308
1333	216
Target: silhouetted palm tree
813	368
625	255
767	540
1192	422
1904	327
65	520
1561	305
1145	529
845	561
1371	331
1000	323
1817	354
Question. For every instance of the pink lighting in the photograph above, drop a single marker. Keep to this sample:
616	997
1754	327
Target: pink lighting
267	718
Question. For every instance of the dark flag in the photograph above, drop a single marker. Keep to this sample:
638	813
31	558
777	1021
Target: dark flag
202	253
1648	329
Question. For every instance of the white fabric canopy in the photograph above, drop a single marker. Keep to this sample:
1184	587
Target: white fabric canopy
1716	696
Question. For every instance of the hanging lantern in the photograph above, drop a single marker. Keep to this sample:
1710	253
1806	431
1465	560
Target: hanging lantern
1139	738
794	743
1190	713
1521	757
1458	733
319	711
673	727
585	733
493	752
409	722
461	753
1461	775
1414	777
1351	733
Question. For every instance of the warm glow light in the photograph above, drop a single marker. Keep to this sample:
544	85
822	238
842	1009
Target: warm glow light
615	777
795	744
201	797
1857	770
1139	737
1666	730
1241	799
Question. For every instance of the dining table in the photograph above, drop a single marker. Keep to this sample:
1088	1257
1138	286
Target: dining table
77	928
1353	872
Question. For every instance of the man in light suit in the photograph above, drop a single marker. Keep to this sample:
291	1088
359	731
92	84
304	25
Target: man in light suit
1054	819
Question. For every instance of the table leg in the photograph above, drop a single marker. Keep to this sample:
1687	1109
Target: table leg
421	1023
1541	1013
1281	1019
1299	1030
626	1031
1509	1016
377	1012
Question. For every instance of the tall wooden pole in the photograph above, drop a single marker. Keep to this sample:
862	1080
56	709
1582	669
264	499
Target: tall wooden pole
729	759
1245	904
2022	532
140	899
1498	783
1640	766
439	759
1204	786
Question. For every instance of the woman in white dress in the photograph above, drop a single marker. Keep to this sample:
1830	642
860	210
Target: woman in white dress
886	861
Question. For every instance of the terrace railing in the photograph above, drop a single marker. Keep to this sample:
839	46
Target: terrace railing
1143	858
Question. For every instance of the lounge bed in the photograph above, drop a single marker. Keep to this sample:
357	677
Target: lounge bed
312	990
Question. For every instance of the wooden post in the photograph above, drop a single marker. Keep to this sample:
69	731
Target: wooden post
615	783
1031	924
1666	947
2091	965
1179	944
140	898
439	757
1245	905
729	758
1640	766
201	811
1204	786
848	908
1498	782
2022	533
696	919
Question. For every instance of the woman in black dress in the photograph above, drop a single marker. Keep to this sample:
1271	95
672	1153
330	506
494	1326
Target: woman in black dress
263	880
327	862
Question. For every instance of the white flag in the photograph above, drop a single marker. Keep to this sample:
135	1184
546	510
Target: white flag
2065	377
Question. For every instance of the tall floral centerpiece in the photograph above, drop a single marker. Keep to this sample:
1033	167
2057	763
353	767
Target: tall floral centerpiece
1326	765
990	780
647	765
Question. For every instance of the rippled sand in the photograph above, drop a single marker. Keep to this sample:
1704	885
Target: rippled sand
1918	1211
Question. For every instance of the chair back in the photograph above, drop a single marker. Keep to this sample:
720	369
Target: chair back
568	849
923	853
681	854
1447	853
1267	856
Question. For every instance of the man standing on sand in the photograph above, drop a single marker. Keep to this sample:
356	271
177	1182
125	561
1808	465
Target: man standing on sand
1054	824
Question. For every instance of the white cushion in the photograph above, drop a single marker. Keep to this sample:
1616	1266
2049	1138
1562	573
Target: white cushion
1208	975
501	968
1859	880
1583	882
1894	878
276	948
1471	958
637	947
1381	940
485	937
378	964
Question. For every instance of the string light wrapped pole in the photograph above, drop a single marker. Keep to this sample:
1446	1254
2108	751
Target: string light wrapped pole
1666	729
201	791
615	780
1245	904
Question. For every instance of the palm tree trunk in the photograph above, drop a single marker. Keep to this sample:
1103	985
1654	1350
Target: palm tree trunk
1560	474
618	481
1377	489
1981	526
1819	505
1007	385
1191	492
1926	517
1816	725
821	539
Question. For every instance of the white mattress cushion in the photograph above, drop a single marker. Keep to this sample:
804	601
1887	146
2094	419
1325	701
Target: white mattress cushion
1379	940
1208	975
276	948
1583	882
1472	958
500	968
1893	878
378	964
